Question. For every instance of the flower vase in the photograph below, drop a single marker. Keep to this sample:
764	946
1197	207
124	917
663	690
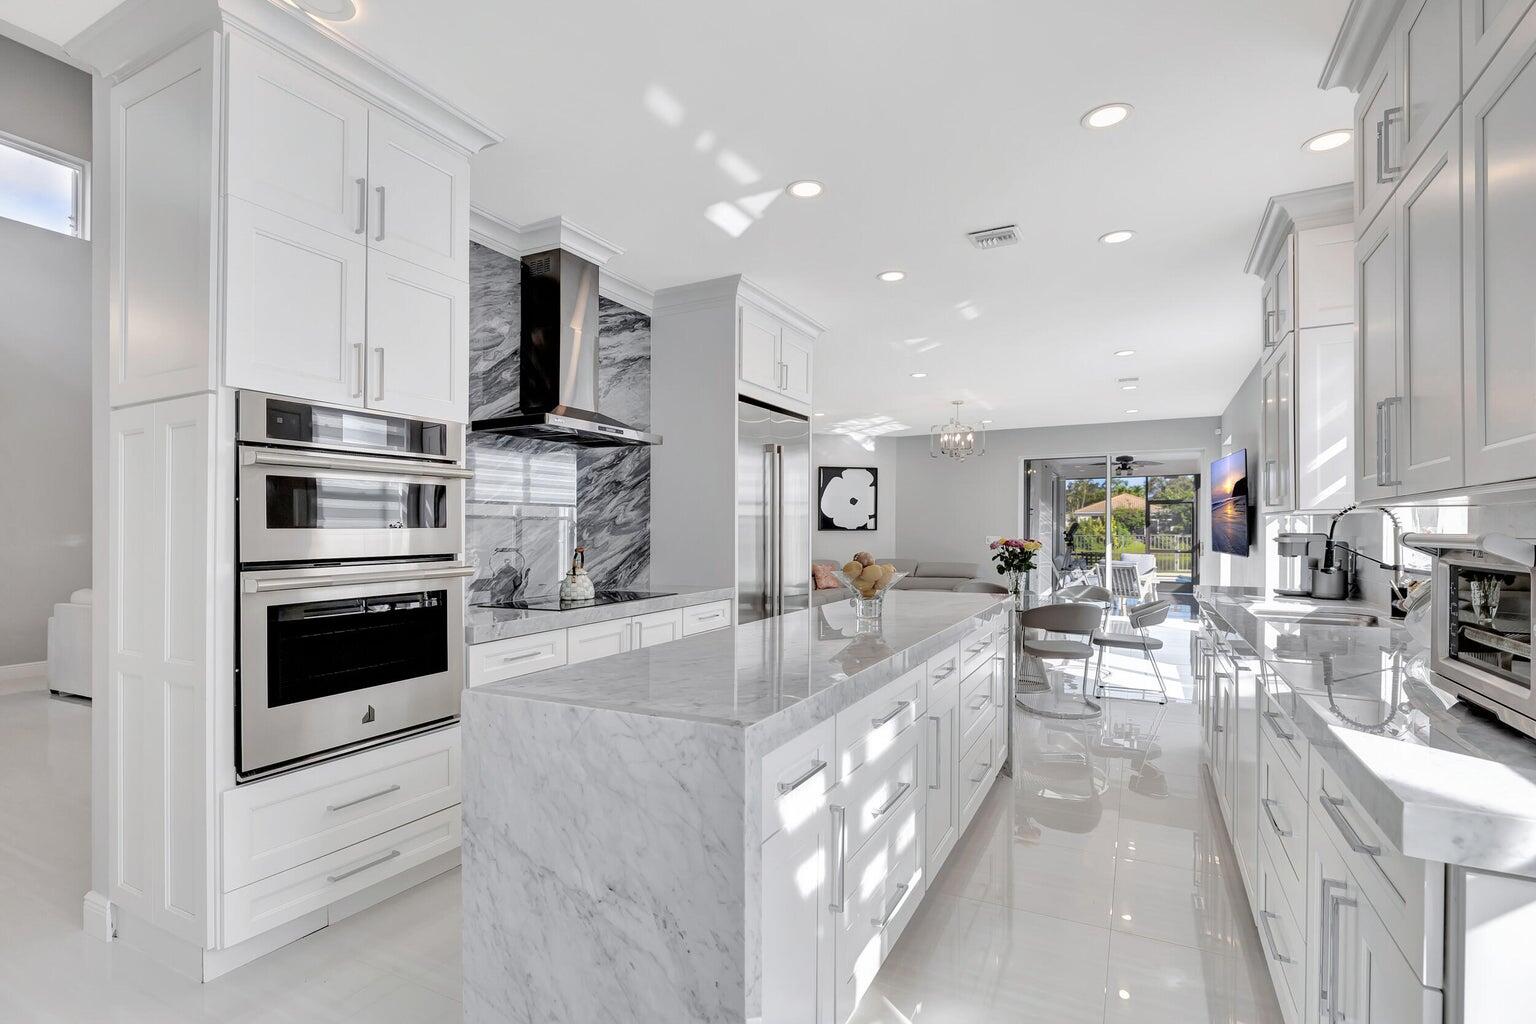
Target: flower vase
1016	589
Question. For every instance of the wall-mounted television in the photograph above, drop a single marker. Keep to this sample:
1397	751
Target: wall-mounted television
1231	510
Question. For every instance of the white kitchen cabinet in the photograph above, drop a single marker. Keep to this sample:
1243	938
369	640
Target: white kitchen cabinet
657	628
773	359
1428	49
1498	132
1279	427
941	761
1284	289
598	640
795	357
1424	449
418	340
1325	416
295	307
1325	259
1375	356
1243	772
297	141
1377	114
701	618
799	950
419	190
757	340
1485	24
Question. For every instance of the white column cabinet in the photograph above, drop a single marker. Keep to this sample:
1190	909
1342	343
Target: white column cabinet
1499	131
418	340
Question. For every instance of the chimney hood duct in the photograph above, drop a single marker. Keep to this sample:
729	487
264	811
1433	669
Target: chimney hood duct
557	369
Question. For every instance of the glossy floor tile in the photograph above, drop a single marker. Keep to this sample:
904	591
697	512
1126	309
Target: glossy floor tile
1090	888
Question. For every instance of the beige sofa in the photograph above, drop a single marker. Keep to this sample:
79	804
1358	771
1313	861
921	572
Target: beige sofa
923	575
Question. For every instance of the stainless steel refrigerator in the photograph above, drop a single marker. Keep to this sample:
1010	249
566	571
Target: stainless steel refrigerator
773	512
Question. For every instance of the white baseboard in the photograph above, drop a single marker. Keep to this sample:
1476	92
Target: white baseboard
219	962
32	674
98	917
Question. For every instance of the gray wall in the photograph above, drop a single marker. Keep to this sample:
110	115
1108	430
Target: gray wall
1240	428
45	370
841	450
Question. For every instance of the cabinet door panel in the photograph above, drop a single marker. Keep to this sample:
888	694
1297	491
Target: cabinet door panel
422	212
1426	445
298	142
758	348
1325	419
658	628
1374	161
1285	290
294	308
795	354
1376	353
1429	49
941	762
1485	24
1279	385
1499	132
797	926
1325	258
418	345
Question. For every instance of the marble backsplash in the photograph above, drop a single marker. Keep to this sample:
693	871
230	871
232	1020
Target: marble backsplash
532	502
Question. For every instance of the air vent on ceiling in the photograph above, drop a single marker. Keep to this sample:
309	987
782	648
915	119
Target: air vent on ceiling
995	238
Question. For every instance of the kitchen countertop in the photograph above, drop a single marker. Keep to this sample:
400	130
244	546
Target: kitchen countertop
1443	780
482	625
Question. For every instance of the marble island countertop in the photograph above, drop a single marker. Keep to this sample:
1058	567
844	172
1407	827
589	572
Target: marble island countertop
1443	780
483	624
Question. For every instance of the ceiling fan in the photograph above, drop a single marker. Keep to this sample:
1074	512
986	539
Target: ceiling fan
1125	465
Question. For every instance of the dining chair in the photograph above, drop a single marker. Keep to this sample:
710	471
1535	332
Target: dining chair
981	587
1076	623
1140	618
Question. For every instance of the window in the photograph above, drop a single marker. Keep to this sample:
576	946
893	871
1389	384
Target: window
41	187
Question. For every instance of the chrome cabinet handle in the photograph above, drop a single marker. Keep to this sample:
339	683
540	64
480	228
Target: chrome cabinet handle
1381	159
901	706
1273	718
508	659
983	772
949	670
380	236
980	704
1384	129
901	897
804	777
933	754
1269	806
362	799
379	384
1335	905
1381	472
362	206
391	855
839	857
362	369
1389	447
1269	939
1333	805
316	582
885	808
708	618
350	463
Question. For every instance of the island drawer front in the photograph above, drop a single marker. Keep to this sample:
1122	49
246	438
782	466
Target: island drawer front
977	769
291	894
880	718
701	618
976	648
515	656
1283	821
1282	931
1290	745
944	674
879	788
977	700
1407	893
796	778
282	822
593	640
883	883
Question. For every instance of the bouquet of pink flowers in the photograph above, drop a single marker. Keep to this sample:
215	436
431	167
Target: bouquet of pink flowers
1014	556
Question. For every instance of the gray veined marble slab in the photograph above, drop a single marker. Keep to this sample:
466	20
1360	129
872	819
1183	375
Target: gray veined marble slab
482	625
1442	780
612	825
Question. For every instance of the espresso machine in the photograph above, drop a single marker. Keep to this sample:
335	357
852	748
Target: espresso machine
1299	562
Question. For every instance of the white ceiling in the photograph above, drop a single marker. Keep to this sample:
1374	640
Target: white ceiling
925	121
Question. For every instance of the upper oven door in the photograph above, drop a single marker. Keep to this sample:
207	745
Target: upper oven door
312	507
289	422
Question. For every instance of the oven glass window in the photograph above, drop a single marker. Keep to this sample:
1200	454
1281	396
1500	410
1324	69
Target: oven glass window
1490	618
322	648
348	428
345	503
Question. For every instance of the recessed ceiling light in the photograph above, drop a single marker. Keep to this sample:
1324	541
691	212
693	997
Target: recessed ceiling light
1126	352
891	275
818	414
1128	412
805	189
919	375
985	422
1107	116
1116	237
1328	140
328	10
1127	387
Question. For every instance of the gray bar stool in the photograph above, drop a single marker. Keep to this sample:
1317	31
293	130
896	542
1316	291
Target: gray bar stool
1142	616
1073	621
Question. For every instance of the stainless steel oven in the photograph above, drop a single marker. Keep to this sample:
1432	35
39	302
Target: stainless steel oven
1483	621
336	656
319	484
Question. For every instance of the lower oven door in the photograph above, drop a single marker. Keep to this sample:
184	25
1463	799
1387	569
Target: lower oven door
335	657
303	507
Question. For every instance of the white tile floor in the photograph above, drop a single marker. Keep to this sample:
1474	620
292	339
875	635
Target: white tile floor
1091	887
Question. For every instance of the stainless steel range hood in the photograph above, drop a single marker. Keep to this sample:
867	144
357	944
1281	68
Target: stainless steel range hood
557	369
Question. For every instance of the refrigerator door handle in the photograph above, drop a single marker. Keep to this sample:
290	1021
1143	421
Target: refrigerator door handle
778	528
770	530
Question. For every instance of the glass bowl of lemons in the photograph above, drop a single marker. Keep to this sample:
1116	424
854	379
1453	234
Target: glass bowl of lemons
867	582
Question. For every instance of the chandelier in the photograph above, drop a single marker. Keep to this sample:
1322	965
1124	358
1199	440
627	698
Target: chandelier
957	440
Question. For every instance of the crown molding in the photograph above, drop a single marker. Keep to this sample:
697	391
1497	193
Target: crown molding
620	289
137	32
1366	26
1315	207
516	241
735	287
760	296
559	233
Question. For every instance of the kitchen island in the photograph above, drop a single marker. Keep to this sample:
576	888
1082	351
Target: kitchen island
731	827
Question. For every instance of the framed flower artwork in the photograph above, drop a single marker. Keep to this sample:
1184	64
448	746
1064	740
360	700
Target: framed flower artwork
847	498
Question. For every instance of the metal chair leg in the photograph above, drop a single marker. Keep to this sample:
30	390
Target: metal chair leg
1098	675
1156	672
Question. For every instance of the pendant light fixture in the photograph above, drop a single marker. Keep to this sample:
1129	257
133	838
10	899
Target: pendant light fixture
957	440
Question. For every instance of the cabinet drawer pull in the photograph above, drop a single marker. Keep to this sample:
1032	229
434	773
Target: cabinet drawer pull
839	858
949	670
1274	724
380	236
933	753
1328	963
391	855
362	369
804	777
508	659
885	808
1393	171
983	702
901	897
379	384
708	618
1269	939
362	799
982	772
1334	806
901	706
1274	823
362	206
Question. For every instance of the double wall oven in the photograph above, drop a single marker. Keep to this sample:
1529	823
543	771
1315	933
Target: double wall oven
350	534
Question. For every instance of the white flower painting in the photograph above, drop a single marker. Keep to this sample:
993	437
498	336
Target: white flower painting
848	497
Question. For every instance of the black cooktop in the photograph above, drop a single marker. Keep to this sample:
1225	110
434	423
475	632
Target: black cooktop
552	602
